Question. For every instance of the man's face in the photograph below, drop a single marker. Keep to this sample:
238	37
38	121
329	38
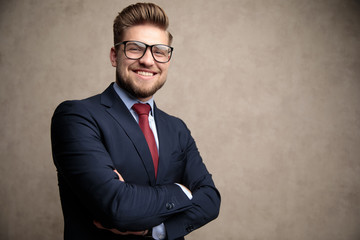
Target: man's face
142	77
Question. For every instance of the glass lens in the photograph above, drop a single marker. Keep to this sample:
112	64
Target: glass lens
134	50
161	53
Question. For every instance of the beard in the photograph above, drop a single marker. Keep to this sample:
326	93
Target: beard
136	91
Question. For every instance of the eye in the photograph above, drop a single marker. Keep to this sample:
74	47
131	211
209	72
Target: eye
161	51
133	47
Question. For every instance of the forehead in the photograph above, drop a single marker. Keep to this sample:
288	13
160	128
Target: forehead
149	34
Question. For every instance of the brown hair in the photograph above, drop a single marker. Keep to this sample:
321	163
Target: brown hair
140	13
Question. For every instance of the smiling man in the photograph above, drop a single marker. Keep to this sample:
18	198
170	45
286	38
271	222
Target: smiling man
126	169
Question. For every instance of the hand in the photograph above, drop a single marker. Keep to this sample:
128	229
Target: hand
113	230
120	177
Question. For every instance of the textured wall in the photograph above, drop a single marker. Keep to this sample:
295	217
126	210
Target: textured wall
270	90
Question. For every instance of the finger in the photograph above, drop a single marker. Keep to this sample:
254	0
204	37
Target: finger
98	224
139	233
113	230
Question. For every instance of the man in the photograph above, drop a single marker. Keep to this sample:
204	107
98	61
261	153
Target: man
124	174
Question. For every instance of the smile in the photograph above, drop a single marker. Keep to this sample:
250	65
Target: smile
143	73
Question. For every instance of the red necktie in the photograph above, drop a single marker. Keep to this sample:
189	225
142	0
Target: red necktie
143	112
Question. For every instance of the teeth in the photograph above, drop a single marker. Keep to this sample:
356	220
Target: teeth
145	73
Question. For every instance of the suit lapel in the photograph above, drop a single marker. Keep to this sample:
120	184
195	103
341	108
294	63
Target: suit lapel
117	109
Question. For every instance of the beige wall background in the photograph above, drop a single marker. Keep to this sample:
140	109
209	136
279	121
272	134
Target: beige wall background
270	90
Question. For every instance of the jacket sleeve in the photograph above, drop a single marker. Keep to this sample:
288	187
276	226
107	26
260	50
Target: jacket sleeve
83	161
206	198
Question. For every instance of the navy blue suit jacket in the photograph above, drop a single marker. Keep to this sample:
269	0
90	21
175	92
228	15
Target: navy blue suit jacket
92	137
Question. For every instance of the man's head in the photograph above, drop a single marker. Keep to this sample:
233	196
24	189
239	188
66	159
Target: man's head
141	67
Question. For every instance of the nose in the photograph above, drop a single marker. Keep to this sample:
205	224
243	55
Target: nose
147	59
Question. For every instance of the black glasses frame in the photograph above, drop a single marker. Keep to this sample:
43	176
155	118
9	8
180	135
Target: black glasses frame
146	47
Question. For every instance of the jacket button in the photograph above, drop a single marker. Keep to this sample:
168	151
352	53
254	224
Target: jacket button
170	206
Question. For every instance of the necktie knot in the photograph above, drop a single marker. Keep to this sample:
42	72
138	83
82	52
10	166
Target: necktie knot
141	109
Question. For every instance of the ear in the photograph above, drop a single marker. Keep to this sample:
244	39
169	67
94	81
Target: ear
113	55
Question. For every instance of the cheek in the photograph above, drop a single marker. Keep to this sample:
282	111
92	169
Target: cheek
164	69
123	67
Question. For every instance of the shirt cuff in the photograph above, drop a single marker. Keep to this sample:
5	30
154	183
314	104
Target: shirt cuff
158	232
185	190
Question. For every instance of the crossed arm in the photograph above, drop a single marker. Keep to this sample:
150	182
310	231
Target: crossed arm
114	230
139	233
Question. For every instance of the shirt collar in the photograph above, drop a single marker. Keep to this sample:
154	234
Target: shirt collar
129	100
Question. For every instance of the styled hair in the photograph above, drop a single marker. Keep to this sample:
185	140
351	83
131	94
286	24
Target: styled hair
137	14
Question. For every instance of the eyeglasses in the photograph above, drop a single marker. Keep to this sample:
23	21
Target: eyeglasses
135	50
